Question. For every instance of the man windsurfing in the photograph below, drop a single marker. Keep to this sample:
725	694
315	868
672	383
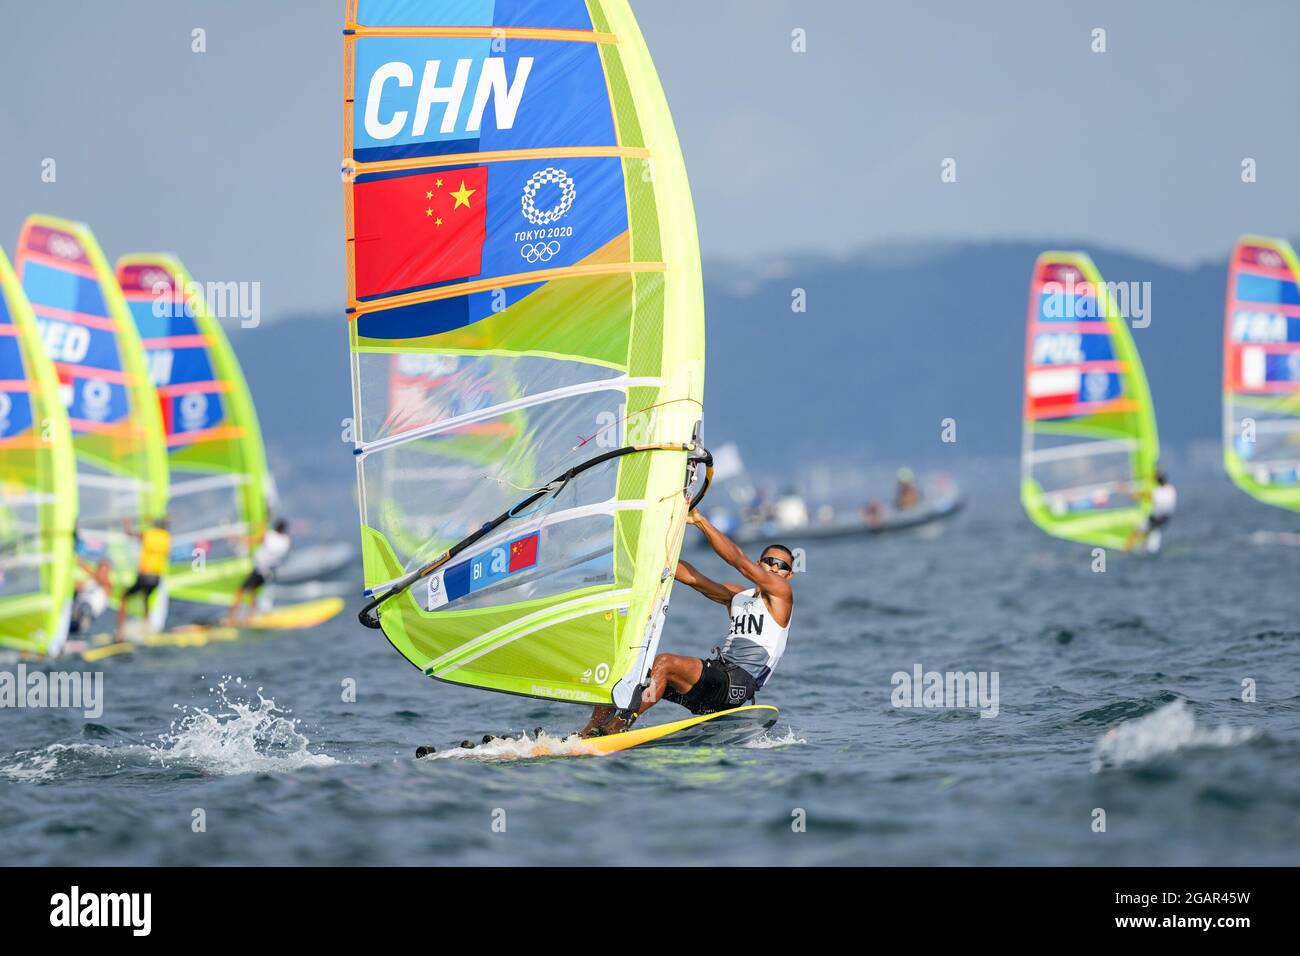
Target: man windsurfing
155	549
273	548
1164	501
90	596
760	624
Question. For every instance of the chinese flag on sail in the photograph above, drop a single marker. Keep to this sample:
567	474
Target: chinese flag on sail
417	230
523	552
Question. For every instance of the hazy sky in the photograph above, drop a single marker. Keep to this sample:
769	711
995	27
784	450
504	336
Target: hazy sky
230	157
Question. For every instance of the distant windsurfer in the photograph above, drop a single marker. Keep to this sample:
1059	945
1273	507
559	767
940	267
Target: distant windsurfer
1164	501
155	550
272	549
760	624
91	596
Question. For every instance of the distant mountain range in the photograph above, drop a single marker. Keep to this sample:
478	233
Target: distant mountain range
890	345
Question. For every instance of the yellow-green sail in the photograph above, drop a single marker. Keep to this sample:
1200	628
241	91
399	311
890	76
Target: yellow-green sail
1261	371
112	407
1090	447
526	321
38	489
218	478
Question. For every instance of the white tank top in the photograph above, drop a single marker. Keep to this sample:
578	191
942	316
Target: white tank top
274	549
1164	499
755	642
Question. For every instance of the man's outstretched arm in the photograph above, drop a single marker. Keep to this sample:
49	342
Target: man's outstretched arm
772	584
722	593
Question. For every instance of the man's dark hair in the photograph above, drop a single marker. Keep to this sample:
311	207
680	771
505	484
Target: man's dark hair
281	526
780	547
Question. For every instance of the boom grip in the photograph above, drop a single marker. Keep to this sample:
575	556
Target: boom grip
704	456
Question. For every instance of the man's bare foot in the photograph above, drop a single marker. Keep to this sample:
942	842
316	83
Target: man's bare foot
614	724
599	715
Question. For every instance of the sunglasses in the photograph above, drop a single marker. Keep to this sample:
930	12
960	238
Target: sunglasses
775	563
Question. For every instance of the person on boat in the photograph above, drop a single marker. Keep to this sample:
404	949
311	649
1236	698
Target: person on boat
873	513
760	625
91	596
155	549
906	493
791	511
272	549
1164	501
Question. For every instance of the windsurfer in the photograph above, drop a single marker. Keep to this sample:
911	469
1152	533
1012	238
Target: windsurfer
91	597
272	550
760	623
1164	501
155	549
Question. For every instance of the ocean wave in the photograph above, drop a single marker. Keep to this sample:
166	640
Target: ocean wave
1164	731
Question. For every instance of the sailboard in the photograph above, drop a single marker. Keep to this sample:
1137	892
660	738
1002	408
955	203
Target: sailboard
38	491
738	725
1261	371
121	465
526	324
726	727
217	463
1090	446
295	617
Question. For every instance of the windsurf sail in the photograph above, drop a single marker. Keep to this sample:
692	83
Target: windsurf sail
526	323
1090	447
111	405
1261	371
38	491
218	477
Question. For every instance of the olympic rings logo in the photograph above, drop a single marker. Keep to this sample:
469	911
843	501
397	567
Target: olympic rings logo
64	247
539	251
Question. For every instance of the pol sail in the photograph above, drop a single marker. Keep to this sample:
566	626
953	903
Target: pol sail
526	323
38	490
1089	449
1261	371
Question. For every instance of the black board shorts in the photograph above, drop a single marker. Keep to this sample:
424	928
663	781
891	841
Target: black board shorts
145	584
255	581
722	685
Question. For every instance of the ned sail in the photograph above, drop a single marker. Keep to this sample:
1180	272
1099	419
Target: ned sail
104	382
38	490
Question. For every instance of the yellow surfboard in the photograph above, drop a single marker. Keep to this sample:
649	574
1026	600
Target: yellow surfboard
295	616
291	618
734	726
